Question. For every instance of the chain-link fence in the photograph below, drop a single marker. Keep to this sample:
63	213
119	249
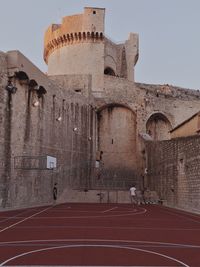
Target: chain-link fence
82	174
86	176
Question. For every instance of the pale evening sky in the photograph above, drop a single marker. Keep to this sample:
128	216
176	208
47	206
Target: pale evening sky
169	33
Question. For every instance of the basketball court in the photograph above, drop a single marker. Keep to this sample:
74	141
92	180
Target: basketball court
75	234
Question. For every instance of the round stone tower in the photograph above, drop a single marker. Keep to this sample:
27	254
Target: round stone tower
78	46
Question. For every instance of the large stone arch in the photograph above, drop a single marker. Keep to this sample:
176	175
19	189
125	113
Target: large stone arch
158	126
117	143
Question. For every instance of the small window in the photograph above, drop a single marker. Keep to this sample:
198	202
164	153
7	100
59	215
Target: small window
94	12
78	91
109	71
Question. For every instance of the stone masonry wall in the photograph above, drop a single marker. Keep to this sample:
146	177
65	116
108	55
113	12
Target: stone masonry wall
174	171
4	135
78	59
60	126
70	103
176	104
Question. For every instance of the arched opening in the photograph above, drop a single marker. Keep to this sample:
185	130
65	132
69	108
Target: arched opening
22	76
117	146
33	84
109	71
158	127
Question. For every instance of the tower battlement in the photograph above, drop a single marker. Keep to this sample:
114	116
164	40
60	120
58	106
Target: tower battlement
86	27
78	46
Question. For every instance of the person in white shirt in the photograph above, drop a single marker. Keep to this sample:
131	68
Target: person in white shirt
133	194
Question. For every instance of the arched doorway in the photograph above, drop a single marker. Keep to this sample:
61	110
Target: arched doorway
117	145
158	127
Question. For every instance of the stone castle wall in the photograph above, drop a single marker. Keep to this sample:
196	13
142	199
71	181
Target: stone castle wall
145	102
30	132
87	118
74	59
5	152
173	171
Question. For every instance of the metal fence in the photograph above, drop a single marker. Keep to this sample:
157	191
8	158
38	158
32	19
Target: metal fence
82	175
86	176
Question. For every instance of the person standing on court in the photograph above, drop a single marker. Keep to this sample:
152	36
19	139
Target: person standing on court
55	192
133	194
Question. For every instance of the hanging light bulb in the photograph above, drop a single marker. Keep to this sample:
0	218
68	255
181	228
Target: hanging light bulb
59	118
36	103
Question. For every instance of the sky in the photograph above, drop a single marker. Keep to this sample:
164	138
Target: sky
169	33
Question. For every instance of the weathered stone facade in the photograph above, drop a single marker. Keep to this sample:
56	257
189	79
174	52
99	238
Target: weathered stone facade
35	126
87	112
173	171
79	46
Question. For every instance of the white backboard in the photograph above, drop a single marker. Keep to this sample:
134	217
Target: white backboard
51	162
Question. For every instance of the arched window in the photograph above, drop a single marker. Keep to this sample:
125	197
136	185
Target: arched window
109	71
21	75
158	127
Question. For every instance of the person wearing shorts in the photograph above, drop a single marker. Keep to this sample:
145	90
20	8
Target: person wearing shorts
133	194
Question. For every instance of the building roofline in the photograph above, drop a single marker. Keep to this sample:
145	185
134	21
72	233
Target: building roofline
184	122
94	7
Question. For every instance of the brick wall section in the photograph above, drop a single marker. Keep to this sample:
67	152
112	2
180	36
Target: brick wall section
174	171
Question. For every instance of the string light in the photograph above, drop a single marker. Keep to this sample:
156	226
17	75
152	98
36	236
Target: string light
59	118
36	103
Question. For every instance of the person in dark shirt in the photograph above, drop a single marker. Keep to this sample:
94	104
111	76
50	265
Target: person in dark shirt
55	192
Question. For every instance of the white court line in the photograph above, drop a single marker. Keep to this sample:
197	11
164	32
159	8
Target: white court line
104	246
10	226
84	211
181	216
96	216
14	216
101	240
108	227
109	210
143	210
186	213
98	209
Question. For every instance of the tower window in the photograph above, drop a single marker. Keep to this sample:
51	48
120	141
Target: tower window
109	71
94	12
77	90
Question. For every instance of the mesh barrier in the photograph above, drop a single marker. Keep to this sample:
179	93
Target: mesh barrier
82	174
86	176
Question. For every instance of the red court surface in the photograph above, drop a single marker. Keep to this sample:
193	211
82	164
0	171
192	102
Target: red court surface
99	235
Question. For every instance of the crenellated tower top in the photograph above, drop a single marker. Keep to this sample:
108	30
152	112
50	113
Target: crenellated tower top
86	27
78	46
